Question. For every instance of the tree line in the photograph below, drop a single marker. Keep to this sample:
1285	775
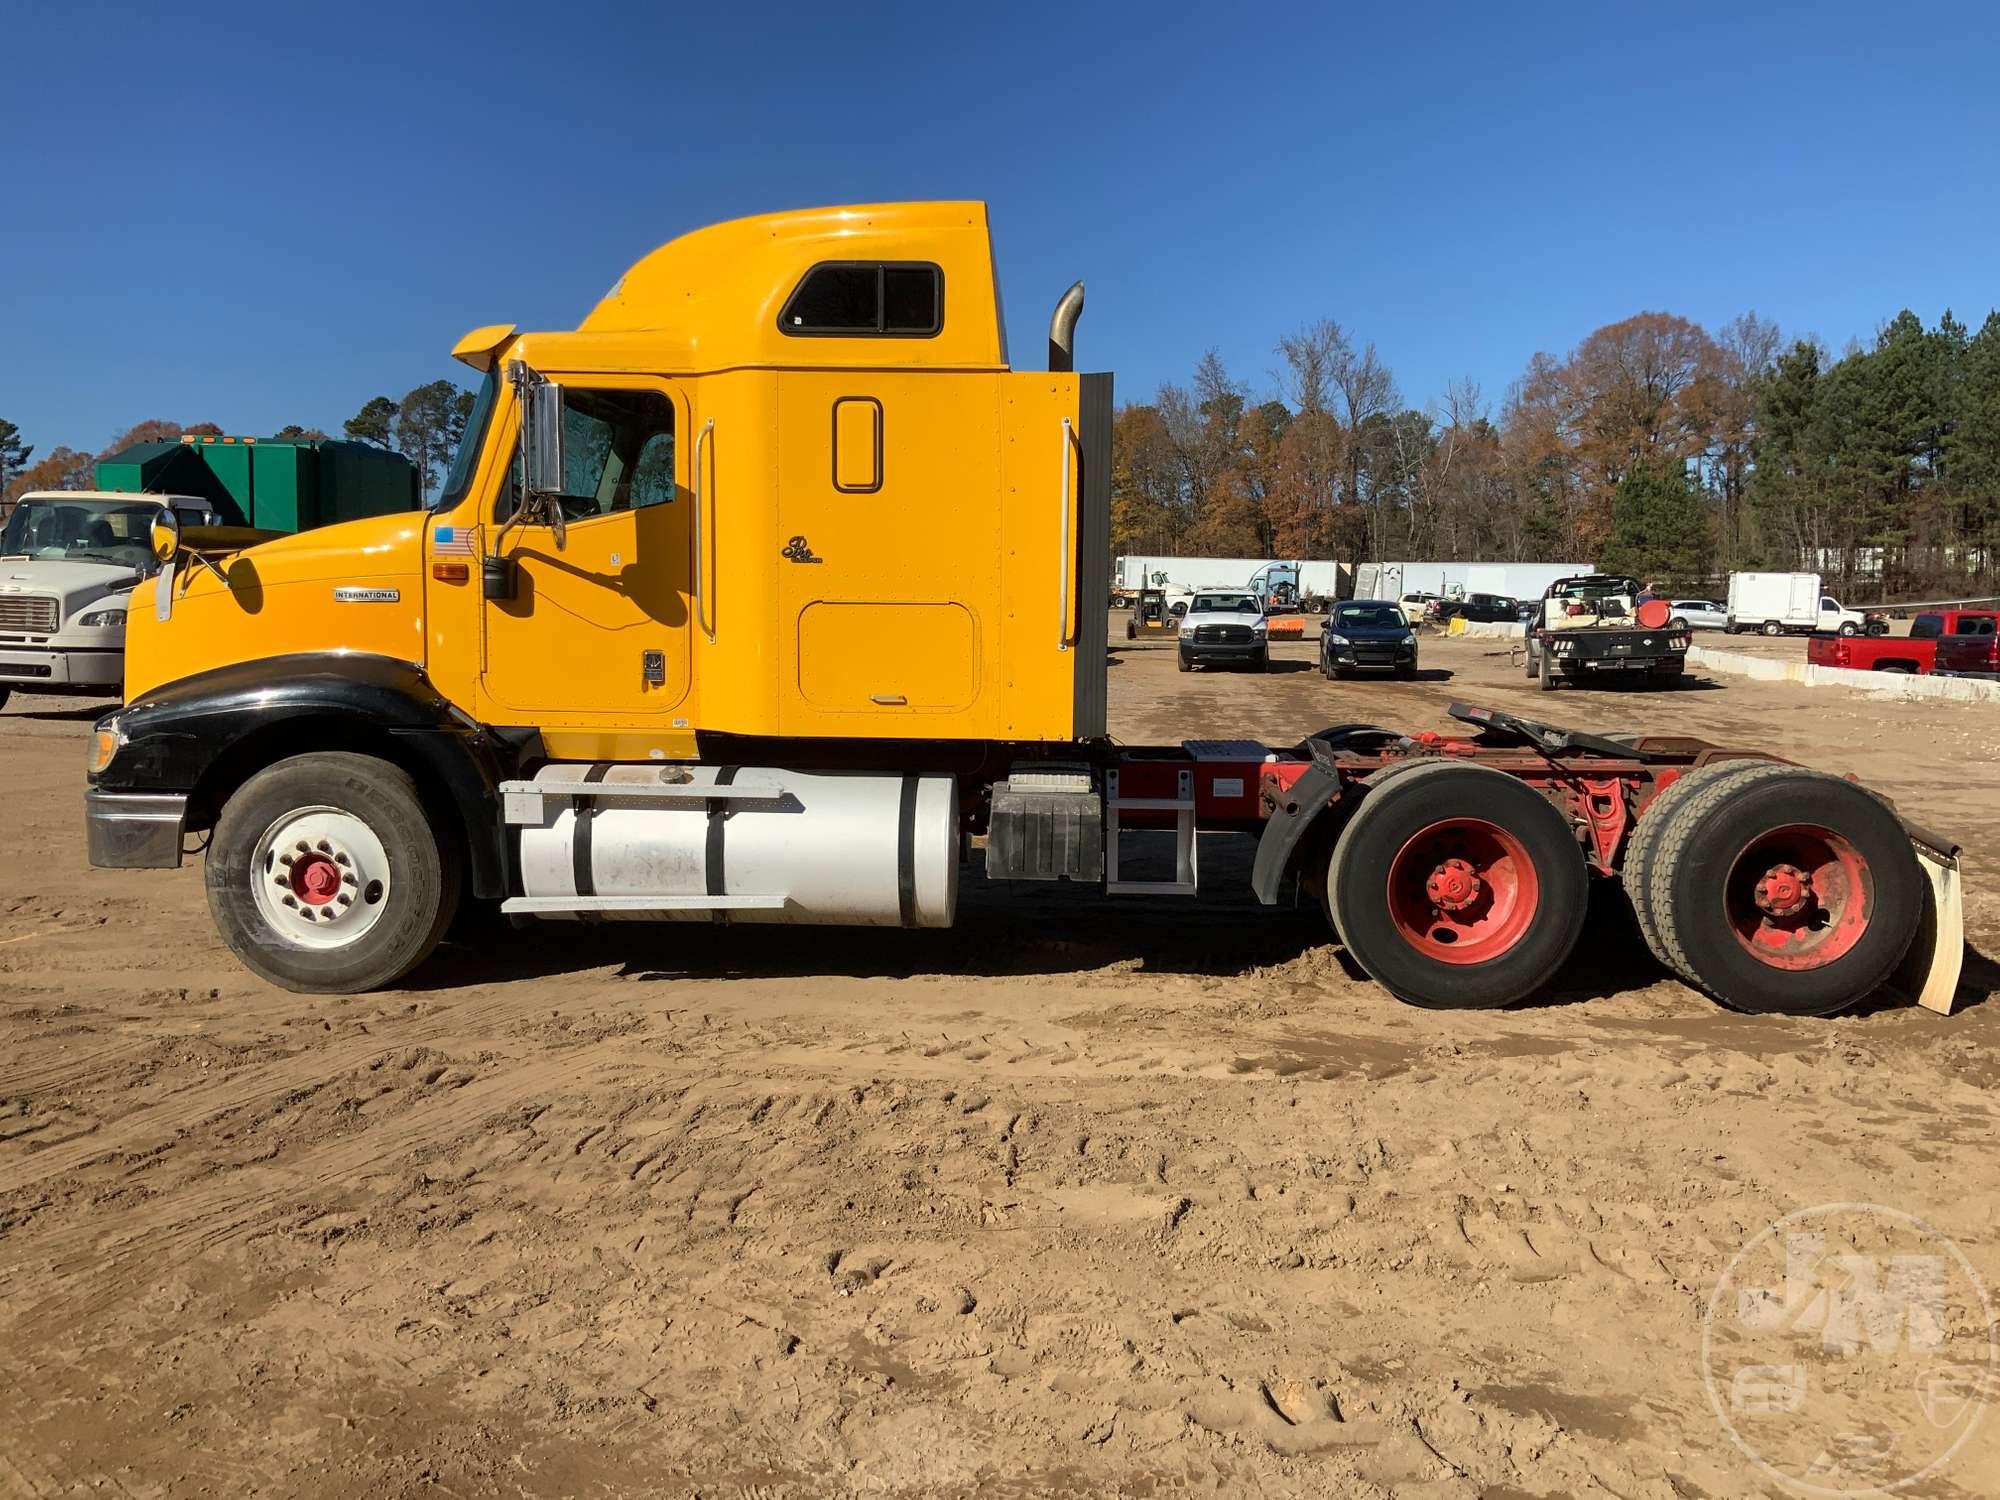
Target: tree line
425	427
1655	447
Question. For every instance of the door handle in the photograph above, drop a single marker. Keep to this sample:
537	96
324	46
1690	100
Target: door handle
703	617
1066	630
888	700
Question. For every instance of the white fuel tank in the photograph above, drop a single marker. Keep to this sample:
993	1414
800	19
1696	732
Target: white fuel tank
853	850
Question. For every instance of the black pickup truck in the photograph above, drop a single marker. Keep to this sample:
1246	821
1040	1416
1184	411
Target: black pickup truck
1594	628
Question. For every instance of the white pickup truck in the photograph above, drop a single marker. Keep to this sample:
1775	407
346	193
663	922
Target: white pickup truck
68	563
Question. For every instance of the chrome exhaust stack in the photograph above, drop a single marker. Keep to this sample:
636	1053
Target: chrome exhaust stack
1062	329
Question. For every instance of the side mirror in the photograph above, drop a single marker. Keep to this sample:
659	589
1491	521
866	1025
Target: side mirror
542	438
165	535
541	404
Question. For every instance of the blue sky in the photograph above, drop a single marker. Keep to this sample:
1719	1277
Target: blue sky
264	214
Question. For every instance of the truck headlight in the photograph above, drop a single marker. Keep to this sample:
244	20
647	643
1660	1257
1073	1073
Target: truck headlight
1409	638
1260	624
1338	640
97	619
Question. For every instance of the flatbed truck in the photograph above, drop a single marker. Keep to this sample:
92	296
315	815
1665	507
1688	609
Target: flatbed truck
773	588
1594	627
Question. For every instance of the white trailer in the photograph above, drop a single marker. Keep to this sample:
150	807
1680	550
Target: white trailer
1183	575
1784	603
1452	580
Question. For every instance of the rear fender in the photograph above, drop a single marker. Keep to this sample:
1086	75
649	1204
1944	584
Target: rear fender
1309	815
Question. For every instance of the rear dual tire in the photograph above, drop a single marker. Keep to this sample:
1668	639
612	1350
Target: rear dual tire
1456	887
1774	889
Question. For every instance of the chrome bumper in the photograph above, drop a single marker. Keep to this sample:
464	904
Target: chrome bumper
134	830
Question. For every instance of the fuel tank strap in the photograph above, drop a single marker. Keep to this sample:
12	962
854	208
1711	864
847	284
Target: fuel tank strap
712	852
586	814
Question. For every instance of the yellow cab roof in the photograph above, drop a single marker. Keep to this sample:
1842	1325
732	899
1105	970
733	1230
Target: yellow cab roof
710	300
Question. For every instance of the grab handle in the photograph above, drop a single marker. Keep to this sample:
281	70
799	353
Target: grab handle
703	496
1066	630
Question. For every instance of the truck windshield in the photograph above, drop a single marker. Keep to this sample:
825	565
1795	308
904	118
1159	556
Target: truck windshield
458	478
1240	604
1384	615
108	531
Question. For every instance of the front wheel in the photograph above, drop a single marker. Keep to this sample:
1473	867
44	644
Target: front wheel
1849	628
1773	628
1457	887
326	876
1185	664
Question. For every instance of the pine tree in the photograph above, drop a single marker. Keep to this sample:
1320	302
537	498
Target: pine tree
14	454
1661	532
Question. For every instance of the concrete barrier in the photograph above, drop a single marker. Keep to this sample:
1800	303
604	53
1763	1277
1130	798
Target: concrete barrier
1901	685
1486	629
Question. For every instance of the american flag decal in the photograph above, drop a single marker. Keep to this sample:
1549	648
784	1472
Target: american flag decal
452	541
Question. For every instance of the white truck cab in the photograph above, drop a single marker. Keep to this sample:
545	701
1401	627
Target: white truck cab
68	563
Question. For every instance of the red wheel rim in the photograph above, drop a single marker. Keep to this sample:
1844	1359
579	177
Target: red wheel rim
1799	897
1463	891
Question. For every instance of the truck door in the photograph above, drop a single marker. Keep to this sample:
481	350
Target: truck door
597	630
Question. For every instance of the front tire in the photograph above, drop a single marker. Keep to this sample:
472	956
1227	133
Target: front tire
1773	628
1457	887
1185	664
326	875
1848	628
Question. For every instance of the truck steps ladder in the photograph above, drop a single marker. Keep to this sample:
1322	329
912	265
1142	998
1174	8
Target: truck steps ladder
1186	858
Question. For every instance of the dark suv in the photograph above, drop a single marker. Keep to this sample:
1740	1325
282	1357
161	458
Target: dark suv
1367	633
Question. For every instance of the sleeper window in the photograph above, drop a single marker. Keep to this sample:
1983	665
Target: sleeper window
863	299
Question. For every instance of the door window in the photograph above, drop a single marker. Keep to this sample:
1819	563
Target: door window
618	454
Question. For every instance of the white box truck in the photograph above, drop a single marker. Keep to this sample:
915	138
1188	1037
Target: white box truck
1786	603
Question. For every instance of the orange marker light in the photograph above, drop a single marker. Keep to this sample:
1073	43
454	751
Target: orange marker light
451	572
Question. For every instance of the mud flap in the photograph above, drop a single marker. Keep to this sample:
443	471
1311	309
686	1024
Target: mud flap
1929	973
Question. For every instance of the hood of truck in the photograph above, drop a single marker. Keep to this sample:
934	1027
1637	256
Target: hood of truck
357	586
74	584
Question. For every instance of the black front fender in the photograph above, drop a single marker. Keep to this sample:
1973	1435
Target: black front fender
201	736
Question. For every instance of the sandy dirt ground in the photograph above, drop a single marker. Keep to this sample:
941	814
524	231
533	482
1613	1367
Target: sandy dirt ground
1080	1198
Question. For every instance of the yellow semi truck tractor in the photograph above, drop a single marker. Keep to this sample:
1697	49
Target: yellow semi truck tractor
772	587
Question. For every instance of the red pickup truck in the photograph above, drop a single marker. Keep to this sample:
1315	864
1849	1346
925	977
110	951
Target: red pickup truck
1959	641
